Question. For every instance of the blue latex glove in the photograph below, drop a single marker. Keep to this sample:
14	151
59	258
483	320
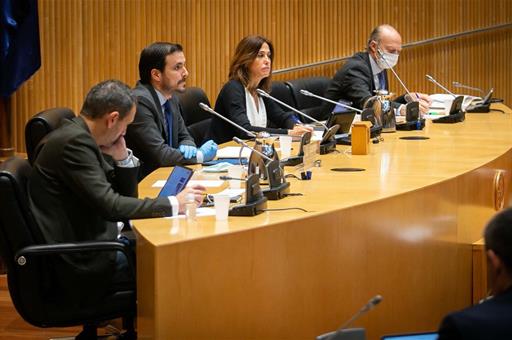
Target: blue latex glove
209	150
188	151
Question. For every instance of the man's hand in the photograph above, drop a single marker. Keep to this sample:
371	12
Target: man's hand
197	190
188	151
209	150
117	150
424	100
299	130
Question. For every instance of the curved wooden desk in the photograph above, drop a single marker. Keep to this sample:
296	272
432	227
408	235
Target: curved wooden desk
403	229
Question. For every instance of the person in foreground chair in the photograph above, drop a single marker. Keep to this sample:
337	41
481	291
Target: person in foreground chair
365	72
491	319
85	179
158	134
251	69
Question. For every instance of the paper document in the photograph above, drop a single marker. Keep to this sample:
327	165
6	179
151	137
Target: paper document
206	183
233	152
200	212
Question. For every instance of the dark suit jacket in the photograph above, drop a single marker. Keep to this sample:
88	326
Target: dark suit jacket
76	195
231	104
147	135
353	82
491	319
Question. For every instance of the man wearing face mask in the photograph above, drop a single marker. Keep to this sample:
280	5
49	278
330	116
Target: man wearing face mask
365	72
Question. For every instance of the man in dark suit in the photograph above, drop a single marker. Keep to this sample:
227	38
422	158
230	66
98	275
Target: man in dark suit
158	134
491	319
84	180
365	72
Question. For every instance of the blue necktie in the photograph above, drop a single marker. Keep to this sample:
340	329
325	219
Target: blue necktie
382	80
168	121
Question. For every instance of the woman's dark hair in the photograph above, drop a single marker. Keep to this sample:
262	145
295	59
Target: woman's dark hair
246	51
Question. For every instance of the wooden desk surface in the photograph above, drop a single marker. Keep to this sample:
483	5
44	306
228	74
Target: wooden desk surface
402	228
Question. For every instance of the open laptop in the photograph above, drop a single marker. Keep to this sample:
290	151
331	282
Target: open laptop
411	336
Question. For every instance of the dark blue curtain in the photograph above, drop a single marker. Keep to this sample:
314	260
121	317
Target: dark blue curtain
20	56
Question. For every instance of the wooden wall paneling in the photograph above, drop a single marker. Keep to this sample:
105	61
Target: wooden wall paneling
84	42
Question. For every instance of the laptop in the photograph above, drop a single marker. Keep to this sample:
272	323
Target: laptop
411	336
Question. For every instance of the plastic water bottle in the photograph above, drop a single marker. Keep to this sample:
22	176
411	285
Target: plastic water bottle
190	207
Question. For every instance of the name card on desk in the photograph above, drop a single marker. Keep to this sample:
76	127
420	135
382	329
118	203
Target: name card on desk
361	138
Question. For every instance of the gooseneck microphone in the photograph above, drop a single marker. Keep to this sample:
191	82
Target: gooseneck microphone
459	85
374	301
309	94
261	134
265	94
435	82
244	144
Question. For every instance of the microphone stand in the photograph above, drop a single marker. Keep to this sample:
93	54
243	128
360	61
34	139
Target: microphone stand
328	143
412	109
278	186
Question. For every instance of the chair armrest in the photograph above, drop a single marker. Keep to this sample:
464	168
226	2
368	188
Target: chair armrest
68	248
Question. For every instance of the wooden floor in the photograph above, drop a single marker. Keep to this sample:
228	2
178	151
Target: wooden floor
12	326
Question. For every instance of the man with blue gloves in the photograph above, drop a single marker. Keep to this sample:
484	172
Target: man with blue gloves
158	135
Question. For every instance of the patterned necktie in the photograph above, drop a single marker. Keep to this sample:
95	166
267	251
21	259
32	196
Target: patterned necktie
168	121
382	80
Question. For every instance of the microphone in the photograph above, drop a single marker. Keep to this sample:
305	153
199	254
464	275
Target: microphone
374	301
241	142
265	94
459	85
278	186
435	82
228	178
309	94
262	134
381	55
328	142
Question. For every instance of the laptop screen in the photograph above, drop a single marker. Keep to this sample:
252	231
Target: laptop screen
411	336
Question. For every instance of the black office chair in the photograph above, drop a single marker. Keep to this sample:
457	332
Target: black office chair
189	101
309	105
42	124
283	92
31	272
196	119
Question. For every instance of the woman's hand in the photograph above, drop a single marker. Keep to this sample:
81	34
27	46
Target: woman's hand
299	130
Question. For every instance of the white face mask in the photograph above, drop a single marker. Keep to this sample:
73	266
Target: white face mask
391	60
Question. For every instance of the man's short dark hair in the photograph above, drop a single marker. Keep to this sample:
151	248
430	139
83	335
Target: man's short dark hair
153	57
498	237
108	96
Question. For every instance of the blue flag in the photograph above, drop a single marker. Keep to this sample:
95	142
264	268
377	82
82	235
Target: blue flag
20	56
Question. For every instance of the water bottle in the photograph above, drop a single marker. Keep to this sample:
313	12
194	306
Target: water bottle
190	207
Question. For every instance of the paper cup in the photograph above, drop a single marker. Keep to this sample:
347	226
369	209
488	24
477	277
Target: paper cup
285	143
221	203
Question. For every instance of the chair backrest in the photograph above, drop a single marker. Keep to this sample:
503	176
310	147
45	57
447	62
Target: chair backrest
283	92
309	105
189	101
41	125
18	230
34	285
200	131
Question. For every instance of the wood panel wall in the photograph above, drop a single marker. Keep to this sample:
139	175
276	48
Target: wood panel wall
86	41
